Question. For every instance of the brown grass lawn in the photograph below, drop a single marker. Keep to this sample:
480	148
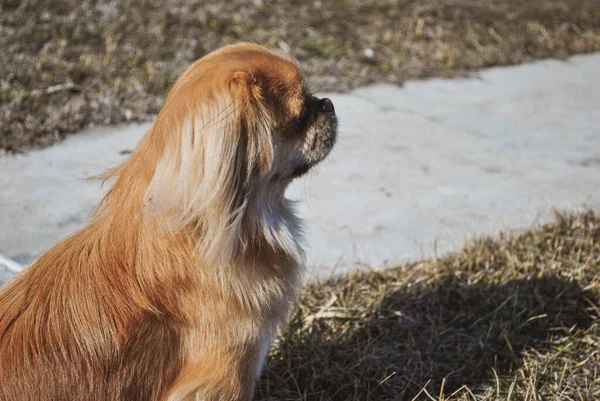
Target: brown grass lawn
511	318
69	64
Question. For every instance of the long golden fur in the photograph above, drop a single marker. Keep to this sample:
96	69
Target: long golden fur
176	287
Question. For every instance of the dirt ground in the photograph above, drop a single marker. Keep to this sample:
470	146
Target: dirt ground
70	64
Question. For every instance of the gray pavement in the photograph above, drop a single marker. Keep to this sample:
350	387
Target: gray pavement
417	169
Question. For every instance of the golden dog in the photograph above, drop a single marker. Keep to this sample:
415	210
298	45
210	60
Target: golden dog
176	287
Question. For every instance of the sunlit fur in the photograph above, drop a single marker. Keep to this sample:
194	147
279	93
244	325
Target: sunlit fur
176	287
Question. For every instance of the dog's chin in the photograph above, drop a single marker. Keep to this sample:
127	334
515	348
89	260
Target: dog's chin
300	170
313	159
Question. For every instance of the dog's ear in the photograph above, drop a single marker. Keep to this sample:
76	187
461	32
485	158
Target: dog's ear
217	147
254	121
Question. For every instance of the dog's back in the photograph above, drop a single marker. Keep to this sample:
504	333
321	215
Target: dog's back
60	339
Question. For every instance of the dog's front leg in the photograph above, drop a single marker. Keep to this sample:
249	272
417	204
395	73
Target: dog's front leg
219	378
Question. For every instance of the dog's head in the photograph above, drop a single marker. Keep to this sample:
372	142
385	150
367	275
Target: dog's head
237	127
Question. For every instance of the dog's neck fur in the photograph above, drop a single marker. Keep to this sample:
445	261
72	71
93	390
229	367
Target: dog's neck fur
265	217
267	230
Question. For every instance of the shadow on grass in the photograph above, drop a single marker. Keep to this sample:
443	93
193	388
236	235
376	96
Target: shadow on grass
420	335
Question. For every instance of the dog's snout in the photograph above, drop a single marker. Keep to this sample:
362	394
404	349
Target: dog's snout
326	106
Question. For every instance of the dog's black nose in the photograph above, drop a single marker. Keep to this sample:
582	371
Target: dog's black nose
326	105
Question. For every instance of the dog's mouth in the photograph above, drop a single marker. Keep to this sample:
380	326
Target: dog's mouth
319	139
318	148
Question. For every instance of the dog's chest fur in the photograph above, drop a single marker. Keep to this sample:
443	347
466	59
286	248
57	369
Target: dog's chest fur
231	321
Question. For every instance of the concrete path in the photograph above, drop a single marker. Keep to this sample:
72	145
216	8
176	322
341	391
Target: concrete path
417	170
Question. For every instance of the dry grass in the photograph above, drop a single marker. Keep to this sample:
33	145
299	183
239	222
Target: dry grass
513	318
69	64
